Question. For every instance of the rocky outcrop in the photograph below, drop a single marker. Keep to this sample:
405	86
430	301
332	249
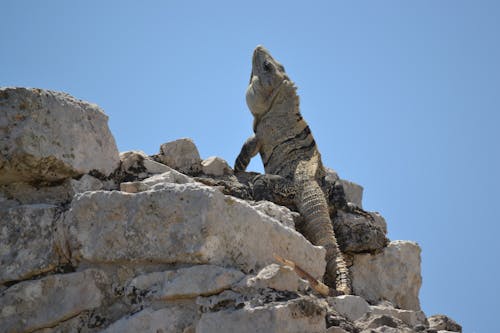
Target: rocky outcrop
104	242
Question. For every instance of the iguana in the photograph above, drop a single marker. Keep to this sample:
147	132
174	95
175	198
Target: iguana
290	156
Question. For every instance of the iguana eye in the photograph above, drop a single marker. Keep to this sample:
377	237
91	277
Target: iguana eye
267	66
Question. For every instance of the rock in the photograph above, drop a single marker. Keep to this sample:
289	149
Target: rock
172	319
49	136
393	275
215	166
62	193
181	155
157	181
373	323
335	329
185	282
353	192
300	315
199	225
349	306
137	165
30	305
443	323
224	300
409	317
284	215
27	238
275	277
358	234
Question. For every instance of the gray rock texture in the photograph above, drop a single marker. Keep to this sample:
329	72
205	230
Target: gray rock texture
27	241
181	155
199	226
47	136
393	275
30	305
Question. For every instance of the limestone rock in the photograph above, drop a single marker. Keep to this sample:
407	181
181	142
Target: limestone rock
294	316
60	193
27	241
156	181
350	306
275	277
137	165
215	166
374	323
199	225
181	155
48	136
353	192
393	275
30	305
172	319
443	323
358	234
284	215
186	282
409	317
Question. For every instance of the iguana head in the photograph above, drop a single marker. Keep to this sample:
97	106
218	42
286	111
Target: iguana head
266	80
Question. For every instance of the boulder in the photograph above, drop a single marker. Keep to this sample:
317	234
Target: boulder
137	165
409	317
199	225
299	315
200	280
350	306
55	194
156	181
181	155
443	323
35	304
48	136
353	192
393	275
215	166
27	238
357	234
284	215
374	323
172	319
276	277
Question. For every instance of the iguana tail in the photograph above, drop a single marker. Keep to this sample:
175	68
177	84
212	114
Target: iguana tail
318	229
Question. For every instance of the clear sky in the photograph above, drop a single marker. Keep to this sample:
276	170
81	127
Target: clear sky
403	97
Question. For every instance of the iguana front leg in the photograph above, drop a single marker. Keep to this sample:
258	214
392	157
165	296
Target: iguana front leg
250	148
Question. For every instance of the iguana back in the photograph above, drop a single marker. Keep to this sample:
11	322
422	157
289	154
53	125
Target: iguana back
288	150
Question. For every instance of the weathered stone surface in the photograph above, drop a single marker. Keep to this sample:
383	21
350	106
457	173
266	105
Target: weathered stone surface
350	306
215	166
374	323
35	304
199	225
284	215
358	234
335	329
27	241
156	182
409	317
393	275
138	165
445	323
294	316
275	277
353	192
172	319
186	282
181	155
48	136
27	194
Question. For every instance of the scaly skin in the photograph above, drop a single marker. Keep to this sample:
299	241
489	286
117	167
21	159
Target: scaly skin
289	152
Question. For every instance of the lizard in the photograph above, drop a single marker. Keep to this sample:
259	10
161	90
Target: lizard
292	161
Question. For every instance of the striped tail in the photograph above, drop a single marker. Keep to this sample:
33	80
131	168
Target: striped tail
318	229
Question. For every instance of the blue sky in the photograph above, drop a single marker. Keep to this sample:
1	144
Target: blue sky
402	97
